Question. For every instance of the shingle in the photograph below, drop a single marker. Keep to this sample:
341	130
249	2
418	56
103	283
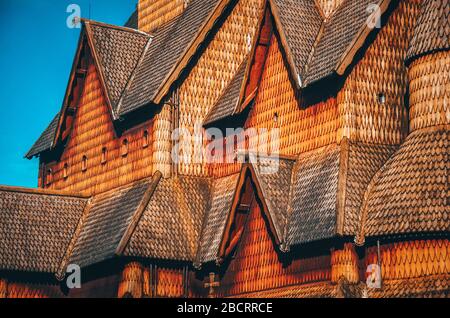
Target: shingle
434	286
314	290
301	22
45	141
109	216
364	160
170	226
227	103
169	43
410	193
119	51
36	228
274	178
432	29
338	34
223	191
314	196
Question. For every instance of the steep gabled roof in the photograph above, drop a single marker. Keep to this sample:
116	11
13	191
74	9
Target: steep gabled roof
45	140
342	35
227	104
409	194
432	29
117	51
36	227
315	48
299	23
223	192
108	222
171	45
314	191
170	226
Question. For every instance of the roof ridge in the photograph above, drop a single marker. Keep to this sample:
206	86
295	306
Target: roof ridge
132	76
71	245
146	198
116	27
40	191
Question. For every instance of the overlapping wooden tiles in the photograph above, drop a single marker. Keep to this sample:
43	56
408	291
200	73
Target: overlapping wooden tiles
29	290
92	134
154	13
430	91
411	259
213	72
276	107
381	72
257	266
328	6
140	281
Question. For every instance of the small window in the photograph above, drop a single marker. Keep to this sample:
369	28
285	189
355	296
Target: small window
276	118
145	139
66	171
84	164
49	177
382	98
104	155
124	150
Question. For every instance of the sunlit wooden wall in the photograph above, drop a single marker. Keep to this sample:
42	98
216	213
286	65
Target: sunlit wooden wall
256	265
213	72
93	132
154	13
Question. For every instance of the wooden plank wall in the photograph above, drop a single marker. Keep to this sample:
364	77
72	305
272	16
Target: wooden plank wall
92	131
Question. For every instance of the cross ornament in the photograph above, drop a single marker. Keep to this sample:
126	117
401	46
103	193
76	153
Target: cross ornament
212	284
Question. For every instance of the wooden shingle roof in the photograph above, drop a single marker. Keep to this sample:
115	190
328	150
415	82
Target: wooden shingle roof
227	104
36	227
107	220
314	197
45	140
170	226
299	26
410	193
222	194
432	29
316	47
118	51
171	42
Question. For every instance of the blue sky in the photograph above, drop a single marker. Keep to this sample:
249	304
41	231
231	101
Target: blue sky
36	54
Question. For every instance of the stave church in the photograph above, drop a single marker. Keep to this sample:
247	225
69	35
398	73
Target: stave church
349	200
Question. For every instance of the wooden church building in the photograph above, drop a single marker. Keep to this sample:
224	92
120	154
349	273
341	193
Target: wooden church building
358	91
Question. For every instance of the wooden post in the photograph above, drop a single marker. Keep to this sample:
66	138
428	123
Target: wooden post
162	147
